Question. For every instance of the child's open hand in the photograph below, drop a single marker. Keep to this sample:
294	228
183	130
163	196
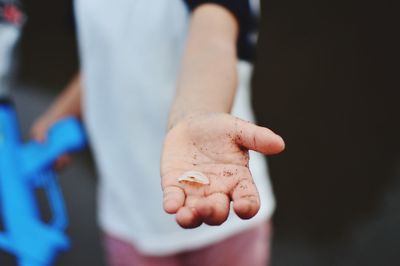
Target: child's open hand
215	144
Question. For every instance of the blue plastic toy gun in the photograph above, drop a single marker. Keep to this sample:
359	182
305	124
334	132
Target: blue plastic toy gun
23	169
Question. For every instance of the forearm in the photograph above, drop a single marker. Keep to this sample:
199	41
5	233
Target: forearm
208	77
68	103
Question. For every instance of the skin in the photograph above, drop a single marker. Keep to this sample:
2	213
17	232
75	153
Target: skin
217	145
68	103
202	135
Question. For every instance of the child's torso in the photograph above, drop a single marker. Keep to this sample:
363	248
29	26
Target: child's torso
130	56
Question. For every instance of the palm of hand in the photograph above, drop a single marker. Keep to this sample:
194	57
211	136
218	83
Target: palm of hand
217	146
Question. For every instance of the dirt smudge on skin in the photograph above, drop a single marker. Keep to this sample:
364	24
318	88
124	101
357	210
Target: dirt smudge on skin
227	173
243	187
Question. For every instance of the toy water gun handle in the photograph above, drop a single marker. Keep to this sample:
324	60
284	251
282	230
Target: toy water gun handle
48	181
65	136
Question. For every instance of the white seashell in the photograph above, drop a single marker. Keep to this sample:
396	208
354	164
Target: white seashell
195	177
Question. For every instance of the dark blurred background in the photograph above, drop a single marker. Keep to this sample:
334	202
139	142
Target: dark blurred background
326	79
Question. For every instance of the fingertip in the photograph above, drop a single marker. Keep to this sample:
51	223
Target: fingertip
283	143
38	137
38	133
215	209
203	209
246	208
260	139
280	144
62	162
188	218
271	143
171	206
174	199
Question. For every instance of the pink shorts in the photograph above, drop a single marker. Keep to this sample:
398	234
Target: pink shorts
251	247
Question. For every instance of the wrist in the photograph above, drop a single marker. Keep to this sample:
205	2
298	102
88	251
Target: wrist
190	116
182	109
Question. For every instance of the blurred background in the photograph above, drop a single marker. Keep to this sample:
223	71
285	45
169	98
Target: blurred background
326	79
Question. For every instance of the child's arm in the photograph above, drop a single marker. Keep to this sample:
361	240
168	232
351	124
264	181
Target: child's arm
68	103
208	77
203	137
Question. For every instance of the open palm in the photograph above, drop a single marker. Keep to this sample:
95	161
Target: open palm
216	145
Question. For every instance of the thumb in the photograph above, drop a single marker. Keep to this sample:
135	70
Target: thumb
39	130
258	138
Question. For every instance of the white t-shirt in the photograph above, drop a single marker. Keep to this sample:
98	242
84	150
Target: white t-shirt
130	55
